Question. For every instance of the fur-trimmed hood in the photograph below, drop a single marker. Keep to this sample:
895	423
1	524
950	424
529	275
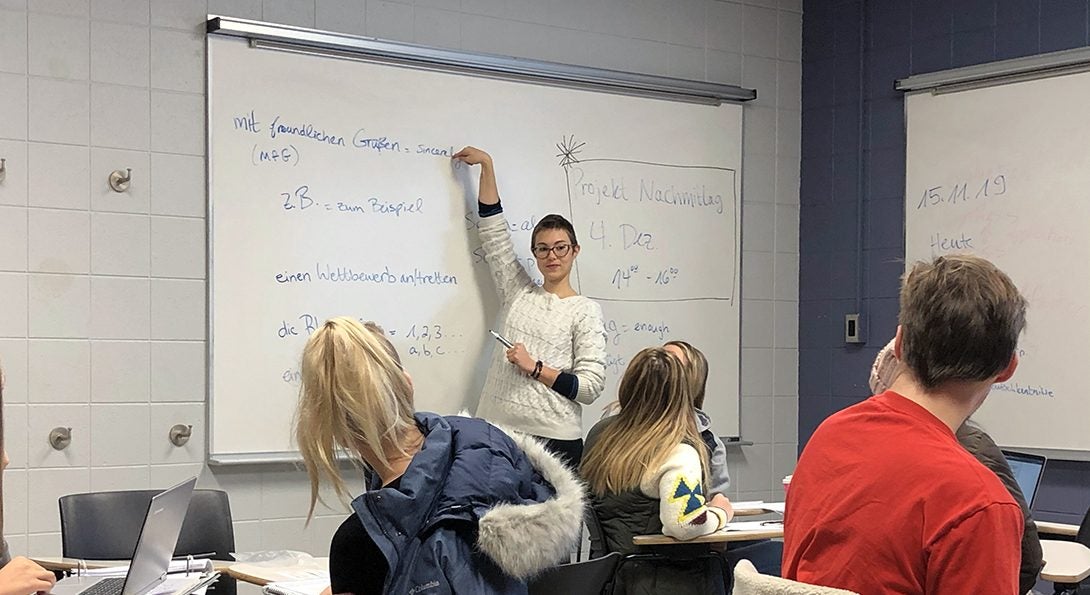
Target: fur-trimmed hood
471	478
525	539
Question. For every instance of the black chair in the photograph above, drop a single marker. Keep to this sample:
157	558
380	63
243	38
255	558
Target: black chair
106	525
671	554
592	577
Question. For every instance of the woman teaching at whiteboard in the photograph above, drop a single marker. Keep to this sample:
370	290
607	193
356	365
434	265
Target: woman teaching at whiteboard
557	361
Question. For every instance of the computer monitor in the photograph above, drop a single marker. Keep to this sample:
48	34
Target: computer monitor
1027	470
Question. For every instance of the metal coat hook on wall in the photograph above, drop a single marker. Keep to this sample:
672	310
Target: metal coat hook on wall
180	434
60	438
119	180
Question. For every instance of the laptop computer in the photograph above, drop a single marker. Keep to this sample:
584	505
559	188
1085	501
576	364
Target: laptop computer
1028	469
154	549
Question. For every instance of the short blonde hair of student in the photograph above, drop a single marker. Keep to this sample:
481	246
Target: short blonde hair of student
354	398
656	415
696	370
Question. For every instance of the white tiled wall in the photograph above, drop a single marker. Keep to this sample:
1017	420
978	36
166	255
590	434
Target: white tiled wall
103	294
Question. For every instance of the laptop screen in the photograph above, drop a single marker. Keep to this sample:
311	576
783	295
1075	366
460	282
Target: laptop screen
159	535
1027	470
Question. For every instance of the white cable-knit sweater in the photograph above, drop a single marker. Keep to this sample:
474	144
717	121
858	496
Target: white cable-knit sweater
565	334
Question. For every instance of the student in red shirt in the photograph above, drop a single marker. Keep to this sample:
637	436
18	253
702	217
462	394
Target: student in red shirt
884	499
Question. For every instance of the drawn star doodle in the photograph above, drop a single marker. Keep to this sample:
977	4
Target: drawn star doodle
568	148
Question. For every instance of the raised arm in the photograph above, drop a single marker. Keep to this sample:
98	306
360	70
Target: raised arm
499	252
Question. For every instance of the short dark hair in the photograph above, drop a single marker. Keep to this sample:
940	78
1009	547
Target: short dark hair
960	319
554	221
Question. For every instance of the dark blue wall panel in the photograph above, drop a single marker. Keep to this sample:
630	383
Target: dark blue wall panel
853	51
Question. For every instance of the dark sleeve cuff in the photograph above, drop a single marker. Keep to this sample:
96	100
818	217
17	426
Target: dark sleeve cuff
484	210
567	385
708	437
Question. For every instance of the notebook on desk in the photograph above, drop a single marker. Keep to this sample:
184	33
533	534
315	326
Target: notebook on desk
1028	470
154	549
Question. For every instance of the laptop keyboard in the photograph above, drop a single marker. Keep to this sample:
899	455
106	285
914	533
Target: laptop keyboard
106	586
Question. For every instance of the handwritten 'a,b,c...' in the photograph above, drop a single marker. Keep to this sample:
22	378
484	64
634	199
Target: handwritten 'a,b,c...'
282	132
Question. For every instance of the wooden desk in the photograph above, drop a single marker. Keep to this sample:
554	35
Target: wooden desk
246	577
772	532
744	509
67	564
1050	528
263	575
1065	561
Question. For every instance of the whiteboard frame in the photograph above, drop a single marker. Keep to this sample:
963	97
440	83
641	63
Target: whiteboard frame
341	45
272	36
993	74
998	73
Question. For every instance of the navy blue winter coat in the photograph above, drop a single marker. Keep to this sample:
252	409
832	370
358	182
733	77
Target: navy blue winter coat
477	511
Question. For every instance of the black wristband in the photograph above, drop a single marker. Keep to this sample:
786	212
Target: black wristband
484	210
537	370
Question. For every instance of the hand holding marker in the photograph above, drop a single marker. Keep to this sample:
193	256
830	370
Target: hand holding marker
500	338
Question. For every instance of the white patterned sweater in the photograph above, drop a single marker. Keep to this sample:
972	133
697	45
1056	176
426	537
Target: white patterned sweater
565	334
683	507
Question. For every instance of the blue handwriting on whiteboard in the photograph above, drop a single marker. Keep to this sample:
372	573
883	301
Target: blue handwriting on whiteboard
615	330
385	276
963	192
395	208
1026	391
437	151
631	236
614	190
694	197
473	221
248	122
376	143
285	154
615	364
941	243
306	130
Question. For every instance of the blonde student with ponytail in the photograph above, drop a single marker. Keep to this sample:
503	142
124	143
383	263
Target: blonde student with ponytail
453	504
646	471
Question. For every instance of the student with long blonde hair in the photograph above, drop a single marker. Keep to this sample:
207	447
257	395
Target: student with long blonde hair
646	471
453	504
695	366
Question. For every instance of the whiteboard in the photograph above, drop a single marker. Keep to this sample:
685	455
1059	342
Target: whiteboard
332	192
1003	172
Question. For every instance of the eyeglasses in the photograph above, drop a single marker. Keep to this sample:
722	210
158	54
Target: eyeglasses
542	251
